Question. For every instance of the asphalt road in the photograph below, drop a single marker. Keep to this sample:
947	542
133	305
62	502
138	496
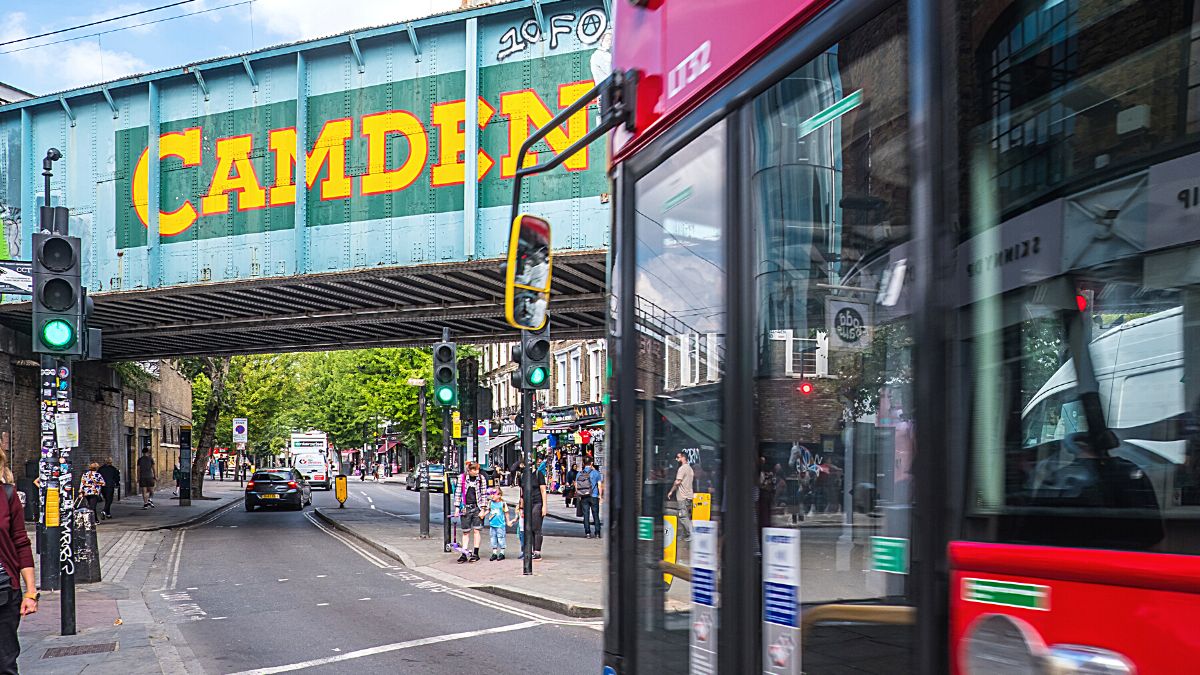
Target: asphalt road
273	591
394	499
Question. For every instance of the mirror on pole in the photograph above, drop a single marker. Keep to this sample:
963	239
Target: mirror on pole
527	278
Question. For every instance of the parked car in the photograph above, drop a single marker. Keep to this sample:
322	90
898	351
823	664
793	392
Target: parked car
433	476
285	487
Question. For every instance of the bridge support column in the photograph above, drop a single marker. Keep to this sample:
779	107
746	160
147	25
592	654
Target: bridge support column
301	223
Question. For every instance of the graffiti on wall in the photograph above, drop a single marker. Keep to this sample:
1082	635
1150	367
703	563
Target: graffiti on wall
587	28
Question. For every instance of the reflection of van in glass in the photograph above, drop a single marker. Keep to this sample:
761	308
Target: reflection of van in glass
1139	370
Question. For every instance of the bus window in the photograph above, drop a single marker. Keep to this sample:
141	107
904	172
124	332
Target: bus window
680	307
829	195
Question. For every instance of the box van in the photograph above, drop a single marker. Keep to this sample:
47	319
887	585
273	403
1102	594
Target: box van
1139	371
315	468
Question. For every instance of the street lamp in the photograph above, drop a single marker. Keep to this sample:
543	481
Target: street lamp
419	383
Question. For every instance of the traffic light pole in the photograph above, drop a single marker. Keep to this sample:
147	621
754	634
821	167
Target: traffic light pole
447	448
527	488
66	549
48	472
424	489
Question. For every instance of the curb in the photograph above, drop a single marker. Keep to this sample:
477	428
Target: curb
213	512
566	608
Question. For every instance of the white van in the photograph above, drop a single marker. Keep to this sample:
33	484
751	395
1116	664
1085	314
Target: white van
1139	370
315	468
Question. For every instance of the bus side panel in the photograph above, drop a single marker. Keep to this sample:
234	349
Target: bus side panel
1119	600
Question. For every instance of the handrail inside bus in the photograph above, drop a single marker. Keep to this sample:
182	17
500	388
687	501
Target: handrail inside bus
894	615
682	571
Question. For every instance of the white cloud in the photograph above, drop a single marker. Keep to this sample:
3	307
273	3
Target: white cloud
303	19
72	64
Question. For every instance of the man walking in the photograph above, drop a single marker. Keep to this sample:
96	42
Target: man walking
682	490
145	477
112	478
588	489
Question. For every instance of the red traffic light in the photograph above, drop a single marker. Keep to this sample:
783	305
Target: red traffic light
1081	302
805	388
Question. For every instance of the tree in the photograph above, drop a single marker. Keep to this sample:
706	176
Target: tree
208	401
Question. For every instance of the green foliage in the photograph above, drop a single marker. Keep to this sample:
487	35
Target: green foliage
347	394
133	375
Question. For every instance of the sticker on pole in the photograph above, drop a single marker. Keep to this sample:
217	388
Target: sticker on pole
241	430
703	638
66	427
1006	594
781	601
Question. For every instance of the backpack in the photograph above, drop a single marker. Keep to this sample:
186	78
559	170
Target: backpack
583	483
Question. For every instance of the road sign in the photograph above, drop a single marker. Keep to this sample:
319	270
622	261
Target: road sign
16	277
889	554
340	490
241	430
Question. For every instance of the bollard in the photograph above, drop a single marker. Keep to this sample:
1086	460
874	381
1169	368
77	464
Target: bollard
87	548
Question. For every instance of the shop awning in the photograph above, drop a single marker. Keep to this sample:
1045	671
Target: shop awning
555	428
500	441
597	423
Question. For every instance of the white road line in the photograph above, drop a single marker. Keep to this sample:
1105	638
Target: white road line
396	646
369	500
351	545
178	557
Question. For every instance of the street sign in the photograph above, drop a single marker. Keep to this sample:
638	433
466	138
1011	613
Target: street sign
849	324
16	277
241	431
889	554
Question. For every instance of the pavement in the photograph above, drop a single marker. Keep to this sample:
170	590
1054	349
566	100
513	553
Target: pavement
212	588
569	579
112	612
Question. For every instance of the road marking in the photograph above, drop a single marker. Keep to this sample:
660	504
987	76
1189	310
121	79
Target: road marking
178	557
372	507
322	576
219	618
192	588
364	598
283	579
366	555
384	649
322	604
369	500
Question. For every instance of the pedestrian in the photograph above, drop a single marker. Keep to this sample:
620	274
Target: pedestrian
112	478
177	476
212	469
145	478
16	566
569	492
539	503
90	485
470	505
682	489
221	466
497	521
587	491
516	471
520	519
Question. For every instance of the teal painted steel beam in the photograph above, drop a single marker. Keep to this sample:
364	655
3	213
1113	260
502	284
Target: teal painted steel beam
67	109
412	37
201	83
250	73
153	240
358	57
471	148
283	50
29	222
113	106
300	177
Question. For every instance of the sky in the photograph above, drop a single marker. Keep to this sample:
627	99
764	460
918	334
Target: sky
195	31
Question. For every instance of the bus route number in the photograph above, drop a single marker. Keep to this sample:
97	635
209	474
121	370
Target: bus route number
691	67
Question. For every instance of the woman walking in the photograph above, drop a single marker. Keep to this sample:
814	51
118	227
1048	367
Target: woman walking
90	486
16	566
470	506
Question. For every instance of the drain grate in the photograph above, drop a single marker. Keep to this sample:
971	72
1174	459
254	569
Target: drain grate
78	650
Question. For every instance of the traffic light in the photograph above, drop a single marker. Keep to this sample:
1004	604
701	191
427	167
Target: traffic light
532	356
445	374
805	388
58	301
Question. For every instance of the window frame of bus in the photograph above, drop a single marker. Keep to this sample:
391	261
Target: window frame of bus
741	584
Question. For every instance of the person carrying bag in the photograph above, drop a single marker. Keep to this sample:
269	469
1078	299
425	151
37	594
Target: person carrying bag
16	566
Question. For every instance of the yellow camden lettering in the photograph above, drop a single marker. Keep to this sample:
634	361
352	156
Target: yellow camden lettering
234	173
526	110
376	128
452	142
184	145
283	143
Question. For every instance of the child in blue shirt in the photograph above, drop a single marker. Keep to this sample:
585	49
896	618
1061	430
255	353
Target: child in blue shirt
497	522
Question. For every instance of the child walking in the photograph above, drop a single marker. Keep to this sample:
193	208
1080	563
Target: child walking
498	522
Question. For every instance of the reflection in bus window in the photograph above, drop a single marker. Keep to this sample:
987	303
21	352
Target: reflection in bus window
829	196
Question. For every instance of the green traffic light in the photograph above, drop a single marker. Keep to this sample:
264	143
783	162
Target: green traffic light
444	394
537	376
58	334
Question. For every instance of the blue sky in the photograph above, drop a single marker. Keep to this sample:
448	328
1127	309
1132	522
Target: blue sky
215	28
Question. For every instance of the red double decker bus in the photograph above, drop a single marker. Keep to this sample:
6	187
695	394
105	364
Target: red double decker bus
913	290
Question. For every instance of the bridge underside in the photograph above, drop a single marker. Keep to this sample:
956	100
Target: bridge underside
386	307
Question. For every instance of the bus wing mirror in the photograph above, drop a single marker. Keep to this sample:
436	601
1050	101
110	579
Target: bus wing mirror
527	277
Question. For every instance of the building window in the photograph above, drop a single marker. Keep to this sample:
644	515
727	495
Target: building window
561	380
576	377
596	375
